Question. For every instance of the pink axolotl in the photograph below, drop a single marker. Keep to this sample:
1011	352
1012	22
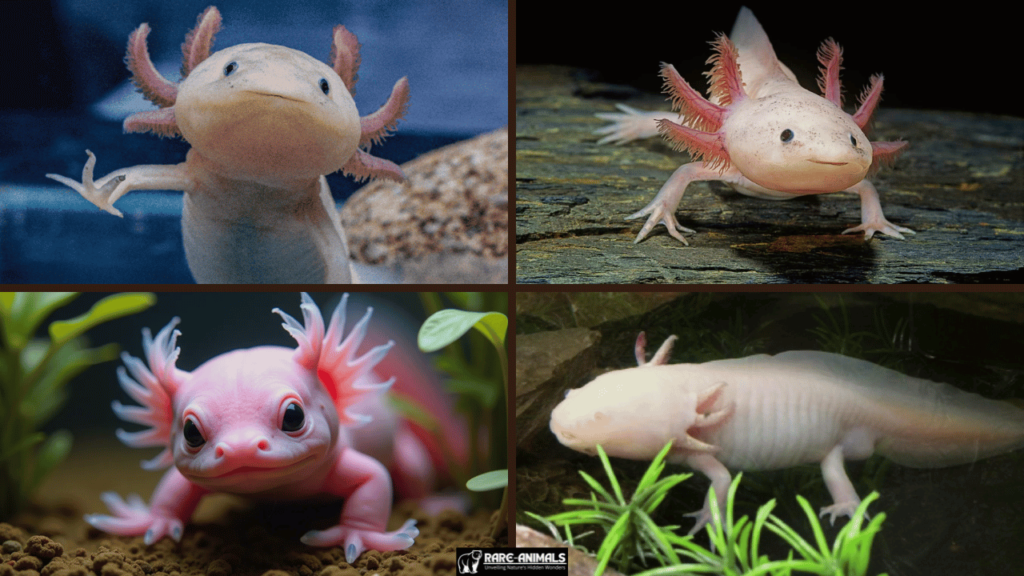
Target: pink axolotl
272	423
265	123
768	412
762	133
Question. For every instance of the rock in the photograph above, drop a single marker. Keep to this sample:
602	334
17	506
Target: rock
447	223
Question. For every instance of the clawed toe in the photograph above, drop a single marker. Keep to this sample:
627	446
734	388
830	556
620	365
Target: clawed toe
838	509
659	215
103	197
884	227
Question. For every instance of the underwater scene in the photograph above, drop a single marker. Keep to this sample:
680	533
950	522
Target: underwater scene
842	433
251	433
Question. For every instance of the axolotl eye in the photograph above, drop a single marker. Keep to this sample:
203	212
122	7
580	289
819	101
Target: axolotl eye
325	86
293	418
230	68
787	135
853	141
193	437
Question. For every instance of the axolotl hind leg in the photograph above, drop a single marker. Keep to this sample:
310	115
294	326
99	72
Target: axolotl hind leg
631	124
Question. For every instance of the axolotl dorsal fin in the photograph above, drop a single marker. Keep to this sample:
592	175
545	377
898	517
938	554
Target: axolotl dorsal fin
333	359
757	57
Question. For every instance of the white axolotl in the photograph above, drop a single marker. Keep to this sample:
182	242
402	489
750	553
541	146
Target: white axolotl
265	123
769	412
761	133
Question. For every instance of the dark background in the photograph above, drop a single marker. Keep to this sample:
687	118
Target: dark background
962	56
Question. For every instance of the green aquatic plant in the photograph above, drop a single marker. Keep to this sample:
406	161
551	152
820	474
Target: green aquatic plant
834	332
735	544
630	533
33	376
480	384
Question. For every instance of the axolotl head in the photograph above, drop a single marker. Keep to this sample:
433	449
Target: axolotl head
251	420
632	413
797	142
268	113
256	419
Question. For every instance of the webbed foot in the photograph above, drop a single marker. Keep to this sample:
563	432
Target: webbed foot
703	517
357	540
883	226
631	124
660	213
839	509
102	197
133	518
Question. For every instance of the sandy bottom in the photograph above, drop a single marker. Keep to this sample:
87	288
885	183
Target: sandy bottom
227	535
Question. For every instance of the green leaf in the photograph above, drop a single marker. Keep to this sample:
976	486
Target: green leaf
413	412
7	452
597	487
611	542
109	308
447	326
611	475
22	313
488	481
47	394
53	451
481	390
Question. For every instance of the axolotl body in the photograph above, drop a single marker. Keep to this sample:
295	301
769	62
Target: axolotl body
265	124
769	412
272	423
762	133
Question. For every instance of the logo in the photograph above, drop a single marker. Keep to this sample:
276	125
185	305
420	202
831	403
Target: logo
469	562
486	561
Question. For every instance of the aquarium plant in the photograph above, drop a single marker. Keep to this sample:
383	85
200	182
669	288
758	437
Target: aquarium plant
33	375
734	551
480	384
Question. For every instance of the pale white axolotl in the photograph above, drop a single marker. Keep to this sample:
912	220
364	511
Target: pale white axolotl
761	133
265	123
768	412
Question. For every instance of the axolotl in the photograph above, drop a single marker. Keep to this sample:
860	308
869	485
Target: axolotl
762	133
768	412
271	423
265	124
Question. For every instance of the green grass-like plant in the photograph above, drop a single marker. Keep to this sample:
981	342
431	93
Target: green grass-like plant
734	551
33	375
631	533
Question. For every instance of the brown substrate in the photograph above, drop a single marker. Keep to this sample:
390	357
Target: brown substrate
257	540
228	536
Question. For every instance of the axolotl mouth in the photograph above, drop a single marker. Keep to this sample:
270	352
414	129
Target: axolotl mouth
272	471
829	163
282	96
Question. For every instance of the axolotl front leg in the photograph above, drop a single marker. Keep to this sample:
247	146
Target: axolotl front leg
104	192
662	209
173	502
871	216
366	487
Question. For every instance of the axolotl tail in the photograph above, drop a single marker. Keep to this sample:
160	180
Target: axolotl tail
920	423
